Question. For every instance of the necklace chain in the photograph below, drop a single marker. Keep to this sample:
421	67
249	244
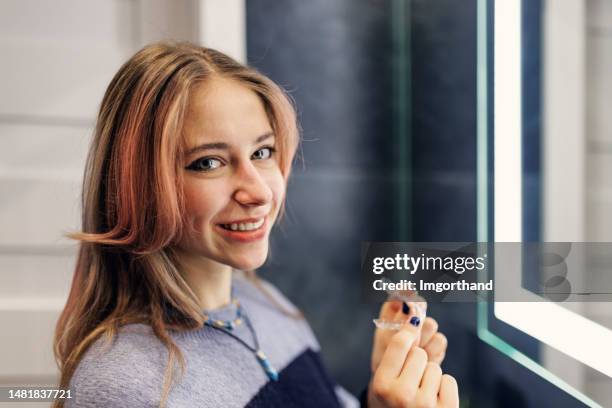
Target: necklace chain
225	326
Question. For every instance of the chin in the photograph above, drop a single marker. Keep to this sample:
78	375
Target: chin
248	263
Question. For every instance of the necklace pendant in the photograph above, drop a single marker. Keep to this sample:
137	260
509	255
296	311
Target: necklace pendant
265	364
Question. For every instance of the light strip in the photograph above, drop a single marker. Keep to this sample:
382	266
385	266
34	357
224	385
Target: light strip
568	332
507	119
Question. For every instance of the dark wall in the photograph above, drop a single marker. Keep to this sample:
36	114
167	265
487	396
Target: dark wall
334	57
337	60
444	112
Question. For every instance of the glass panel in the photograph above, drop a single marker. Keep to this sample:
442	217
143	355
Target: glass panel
548	158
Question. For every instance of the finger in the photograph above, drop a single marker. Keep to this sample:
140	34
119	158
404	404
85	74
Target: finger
437	345
405	295
407	313
448	396
420	303
393	311
388	312
393	358
381	340
438	358
430	327
412	372
399	311
389	309
430	384
411	297
404	313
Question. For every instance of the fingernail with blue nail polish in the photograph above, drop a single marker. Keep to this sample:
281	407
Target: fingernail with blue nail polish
405	308
415	321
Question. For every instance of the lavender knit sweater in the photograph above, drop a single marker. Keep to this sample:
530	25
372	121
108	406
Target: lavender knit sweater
219	372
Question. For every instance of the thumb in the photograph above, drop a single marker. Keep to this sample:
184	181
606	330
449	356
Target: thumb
388	313
394	357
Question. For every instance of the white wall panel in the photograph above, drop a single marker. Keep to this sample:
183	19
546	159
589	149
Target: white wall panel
74	21
66	80
27	275
600	386
37	212
223	26
39	149
599	87
599	15
599	167
598	204
599	208
27	347
163	19
59	56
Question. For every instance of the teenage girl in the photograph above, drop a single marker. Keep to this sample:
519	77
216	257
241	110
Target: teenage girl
185	178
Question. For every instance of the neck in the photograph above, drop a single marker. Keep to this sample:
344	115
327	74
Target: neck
210	281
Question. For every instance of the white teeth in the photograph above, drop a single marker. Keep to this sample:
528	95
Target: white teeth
259	223
244	226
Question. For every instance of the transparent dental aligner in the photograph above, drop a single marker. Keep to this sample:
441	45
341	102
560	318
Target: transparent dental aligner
387	325
412	299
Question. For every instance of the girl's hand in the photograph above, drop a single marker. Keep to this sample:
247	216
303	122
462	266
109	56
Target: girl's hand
404	378
429	339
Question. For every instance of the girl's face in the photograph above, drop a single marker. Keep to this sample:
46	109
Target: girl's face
233	183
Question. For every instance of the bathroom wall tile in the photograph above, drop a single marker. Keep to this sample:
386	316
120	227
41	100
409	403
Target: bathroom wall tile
334	58
443	85
444	207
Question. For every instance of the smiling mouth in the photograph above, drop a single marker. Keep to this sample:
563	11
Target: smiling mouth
243	226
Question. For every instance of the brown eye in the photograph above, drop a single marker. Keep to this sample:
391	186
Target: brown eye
205	164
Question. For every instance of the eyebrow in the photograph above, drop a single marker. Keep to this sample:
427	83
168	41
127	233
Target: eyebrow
222	145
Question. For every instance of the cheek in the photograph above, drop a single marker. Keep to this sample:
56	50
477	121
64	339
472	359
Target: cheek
202	202
278	187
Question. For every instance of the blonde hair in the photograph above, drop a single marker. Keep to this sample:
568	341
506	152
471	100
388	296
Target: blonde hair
132	203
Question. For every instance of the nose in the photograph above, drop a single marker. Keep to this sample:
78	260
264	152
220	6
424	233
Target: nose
251	187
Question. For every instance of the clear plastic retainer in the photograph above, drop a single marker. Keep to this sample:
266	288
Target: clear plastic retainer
419	305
